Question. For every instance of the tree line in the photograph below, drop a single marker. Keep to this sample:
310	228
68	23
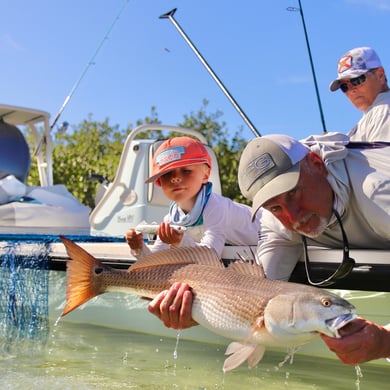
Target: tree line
94	148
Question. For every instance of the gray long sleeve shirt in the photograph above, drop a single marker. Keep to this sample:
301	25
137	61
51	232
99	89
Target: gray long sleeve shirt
360	179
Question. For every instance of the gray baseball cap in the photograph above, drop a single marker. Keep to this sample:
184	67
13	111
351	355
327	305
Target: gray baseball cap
269	166
354	63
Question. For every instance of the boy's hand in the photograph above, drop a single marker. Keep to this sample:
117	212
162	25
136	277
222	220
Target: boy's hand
134	240
169	235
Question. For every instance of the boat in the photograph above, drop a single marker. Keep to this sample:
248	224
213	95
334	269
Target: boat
43	209
31	219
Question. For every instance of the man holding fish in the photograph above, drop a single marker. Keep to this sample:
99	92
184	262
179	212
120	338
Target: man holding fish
236	302
315	189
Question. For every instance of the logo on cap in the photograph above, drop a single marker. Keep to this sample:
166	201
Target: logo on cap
259	167
344	64
172	154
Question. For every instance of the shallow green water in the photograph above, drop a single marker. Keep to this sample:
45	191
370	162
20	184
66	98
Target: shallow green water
91	357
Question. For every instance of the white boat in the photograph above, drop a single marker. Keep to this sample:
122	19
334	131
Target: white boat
43	209
32	218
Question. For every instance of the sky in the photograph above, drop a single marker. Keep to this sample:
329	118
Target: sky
123	59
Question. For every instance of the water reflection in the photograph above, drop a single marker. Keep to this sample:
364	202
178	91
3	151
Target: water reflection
90	357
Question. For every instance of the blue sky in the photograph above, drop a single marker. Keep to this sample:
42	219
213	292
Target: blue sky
257	48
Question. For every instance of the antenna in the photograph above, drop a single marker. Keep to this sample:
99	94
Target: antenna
169	15
300	9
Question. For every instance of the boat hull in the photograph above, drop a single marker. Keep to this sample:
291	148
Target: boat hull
371	271
129	312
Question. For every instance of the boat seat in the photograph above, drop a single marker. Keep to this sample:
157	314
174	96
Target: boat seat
14	152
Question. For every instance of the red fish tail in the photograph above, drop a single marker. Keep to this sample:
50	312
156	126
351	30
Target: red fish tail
82	282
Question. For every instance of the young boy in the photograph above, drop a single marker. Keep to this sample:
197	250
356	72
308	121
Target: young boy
182	166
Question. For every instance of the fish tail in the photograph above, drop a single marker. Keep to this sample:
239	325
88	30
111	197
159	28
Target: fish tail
82	276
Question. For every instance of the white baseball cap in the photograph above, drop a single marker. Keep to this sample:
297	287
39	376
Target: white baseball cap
354	63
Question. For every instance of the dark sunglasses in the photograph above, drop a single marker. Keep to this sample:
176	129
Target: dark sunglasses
355	82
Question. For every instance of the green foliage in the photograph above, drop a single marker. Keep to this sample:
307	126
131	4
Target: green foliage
227	148
92	148
95	148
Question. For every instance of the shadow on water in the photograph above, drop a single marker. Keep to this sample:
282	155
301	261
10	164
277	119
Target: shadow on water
92	357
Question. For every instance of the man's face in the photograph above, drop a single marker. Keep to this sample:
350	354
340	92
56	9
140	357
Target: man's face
307	208
364	94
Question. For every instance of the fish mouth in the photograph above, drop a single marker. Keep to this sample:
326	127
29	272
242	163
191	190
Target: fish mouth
336	323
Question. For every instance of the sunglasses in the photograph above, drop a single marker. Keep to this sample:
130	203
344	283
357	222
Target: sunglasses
354	82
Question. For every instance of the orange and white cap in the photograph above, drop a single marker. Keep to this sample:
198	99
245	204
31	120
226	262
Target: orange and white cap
175	153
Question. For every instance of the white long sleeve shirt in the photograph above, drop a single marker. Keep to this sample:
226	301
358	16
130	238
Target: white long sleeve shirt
375	122
224	221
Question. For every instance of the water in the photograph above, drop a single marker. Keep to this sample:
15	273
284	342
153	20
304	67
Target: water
82	356
24	284
86	356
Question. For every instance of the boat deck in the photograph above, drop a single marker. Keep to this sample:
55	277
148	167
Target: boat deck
371	271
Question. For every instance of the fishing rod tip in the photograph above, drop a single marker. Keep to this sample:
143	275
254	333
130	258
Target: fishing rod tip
168	14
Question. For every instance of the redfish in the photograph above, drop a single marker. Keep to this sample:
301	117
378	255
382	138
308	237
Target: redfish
236	302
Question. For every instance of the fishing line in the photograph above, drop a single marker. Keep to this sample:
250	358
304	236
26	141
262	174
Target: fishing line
78	81
89	63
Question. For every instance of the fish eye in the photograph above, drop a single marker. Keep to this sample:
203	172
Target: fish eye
98	270
325	301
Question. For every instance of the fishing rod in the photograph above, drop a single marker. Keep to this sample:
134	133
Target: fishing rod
169	15
300	9
78	81
89	63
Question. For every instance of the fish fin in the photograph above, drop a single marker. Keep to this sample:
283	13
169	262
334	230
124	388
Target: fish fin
201	255
256	356
233	347
80	286
246	264
247	268
259	324
238	354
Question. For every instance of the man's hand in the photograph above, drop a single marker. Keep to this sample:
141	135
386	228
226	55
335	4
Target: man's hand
361	340
173	307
